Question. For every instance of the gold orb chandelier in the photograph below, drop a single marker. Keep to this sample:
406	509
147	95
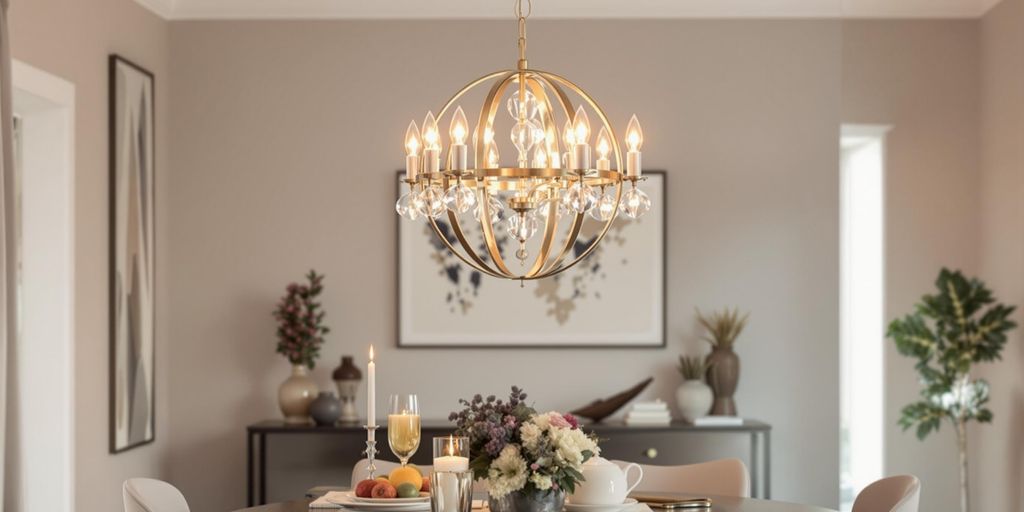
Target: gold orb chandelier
552	188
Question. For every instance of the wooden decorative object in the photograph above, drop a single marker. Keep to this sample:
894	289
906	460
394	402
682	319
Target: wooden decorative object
601	409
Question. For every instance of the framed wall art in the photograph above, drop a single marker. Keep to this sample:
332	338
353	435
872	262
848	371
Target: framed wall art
613	298
132	255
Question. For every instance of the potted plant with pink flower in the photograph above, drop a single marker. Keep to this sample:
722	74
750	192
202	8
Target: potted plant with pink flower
530	460
300	334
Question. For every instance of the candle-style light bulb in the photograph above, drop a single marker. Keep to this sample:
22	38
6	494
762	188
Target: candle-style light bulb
458	128
568	136
413	144
431	145
603	147
412	140
540	158
431	137
492	157
581	126
634	140
634	134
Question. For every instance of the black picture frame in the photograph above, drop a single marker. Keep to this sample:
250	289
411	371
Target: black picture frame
114	61
402	188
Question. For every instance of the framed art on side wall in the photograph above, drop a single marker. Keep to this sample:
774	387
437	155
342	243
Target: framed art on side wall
132	256
613	298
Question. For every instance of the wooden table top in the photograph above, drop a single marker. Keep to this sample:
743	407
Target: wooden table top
718	504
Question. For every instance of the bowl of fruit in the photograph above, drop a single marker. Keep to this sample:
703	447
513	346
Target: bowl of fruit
405	484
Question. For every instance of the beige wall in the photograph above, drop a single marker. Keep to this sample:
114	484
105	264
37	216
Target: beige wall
998	450
287	136
71	39
920	77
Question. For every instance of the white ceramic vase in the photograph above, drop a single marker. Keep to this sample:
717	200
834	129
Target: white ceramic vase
296	394
694	398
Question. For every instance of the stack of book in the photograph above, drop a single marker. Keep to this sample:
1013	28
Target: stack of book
718	421
648	414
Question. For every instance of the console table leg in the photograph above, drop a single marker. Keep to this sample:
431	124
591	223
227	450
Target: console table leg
767	465
248	471
263	469
755	465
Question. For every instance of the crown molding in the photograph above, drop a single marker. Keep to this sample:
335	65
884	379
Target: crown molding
474	9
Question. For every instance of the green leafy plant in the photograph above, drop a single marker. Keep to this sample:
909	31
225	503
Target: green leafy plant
693	367
947	334
723	327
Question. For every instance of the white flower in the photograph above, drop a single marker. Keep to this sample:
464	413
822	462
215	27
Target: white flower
507	472
541	482
569	446
541	420
530	434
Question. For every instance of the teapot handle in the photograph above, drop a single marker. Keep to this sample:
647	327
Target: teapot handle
639	476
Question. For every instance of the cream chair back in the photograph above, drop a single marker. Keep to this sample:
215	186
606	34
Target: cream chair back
900	493
149	495
724	477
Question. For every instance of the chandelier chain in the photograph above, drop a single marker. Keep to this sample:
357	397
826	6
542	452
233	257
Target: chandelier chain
522	26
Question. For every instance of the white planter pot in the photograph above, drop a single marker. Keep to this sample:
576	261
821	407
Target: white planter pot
694	398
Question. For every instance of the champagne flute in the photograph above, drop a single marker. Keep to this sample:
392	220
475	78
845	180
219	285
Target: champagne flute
403	426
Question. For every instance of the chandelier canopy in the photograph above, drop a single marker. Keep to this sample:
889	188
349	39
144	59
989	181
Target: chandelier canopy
551	189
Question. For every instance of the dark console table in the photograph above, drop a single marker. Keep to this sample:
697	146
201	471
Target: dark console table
648	445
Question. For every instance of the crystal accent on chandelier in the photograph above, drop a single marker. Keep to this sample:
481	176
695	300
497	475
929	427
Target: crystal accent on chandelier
580	198
459	198
497	209
431	202
635	203
528	108
524	137
410	206
522	226
604	207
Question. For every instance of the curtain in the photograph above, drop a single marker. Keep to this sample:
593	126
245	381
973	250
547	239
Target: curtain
8	256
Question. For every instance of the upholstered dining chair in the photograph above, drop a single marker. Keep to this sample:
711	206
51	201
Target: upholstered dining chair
723	477
149	495
893	494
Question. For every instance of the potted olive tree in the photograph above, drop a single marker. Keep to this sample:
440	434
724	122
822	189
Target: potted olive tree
948	333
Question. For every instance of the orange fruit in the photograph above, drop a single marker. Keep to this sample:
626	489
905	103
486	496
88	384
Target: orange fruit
407	474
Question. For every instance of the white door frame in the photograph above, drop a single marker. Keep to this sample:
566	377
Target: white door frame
45	356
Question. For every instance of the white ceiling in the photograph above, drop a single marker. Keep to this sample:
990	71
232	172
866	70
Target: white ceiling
502	9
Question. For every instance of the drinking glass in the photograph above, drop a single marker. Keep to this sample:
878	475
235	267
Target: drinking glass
403	426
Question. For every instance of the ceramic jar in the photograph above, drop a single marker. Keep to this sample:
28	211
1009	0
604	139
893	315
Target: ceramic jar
723	375
296	394
326	409
346	378
694	398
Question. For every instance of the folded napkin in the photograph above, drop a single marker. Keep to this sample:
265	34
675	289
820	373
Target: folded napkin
322	502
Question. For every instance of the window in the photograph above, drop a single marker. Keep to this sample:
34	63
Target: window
862	152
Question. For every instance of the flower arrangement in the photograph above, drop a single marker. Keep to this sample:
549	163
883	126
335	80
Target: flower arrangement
300	328
517	449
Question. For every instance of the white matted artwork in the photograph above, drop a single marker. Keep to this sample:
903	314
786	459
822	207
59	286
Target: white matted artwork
613	298
132	258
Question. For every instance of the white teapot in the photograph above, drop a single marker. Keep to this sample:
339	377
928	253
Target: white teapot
605	483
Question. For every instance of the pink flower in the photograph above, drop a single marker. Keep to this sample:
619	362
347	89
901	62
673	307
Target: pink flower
573	422
558	421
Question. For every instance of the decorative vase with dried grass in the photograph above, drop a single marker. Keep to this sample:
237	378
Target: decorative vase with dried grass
724	365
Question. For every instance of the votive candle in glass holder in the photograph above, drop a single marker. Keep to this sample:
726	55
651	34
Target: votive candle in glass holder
451	483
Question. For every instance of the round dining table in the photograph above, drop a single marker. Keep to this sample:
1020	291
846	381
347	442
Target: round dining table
718	504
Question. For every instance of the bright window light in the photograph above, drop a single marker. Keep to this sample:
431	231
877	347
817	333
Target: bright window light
862	150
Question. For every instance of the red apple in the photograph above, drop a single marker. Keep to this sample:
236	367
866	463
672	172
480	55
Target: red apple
363	488
426	485
383	490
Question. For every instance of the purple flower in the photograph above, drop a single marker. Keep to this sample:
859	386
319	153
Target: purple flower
534	466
